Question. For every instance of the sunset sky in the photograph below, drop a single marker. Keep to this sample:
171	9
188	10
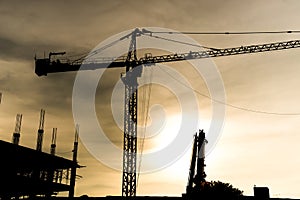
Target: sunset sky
253	148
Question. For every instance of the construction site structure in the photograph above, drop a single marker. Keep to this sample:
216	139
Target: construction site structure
48	65
53	141
73	169
18	172
196	173
16	134
40	135
30	173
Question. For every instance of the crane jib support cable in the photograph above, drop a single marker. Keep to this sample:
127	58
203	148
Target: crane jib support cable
222	33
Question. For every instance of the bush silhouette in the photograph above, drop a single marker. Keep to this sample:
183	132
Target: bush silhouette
216	190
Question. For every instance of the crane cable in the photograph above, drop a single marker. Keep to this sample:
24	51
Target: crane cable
150	34
145	32
207	96
96	51
180	42
228	104
225	33
149	88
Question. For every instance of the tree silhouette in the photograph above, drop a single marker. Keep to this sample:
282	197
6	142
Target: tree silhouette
216	190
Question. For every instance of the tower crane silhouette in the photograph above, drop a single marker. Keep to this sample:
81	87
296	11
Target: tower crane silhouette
130	62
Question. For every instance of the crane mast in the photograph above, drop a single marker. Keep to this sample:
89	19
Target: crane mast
47	65
130	119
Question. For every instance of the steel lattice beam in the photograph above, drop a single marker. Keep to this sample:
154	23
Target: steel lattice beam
219	52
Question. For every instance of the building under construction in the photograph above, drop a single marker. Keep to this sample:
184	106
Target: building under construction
27	172
31	173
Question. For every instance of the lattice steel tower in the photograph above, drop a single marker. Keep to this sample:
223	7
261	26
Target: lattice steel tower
130	118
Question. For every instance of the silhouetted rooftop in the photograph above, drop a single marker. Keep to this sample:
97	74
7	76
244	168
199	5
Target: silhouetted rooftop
24	157
26	172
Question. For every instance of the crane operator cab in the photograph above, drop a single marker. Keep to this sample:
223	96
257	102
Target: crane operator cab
42	65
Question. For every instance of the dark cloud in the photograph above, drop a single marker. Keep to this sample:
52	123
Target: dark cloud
18	50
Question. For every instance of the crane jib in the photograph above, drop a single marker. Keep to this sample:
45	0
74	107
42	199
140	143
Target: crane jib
220	52
46	65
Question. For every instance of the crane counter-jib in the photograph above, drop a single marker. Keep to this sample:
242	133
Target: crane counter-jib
45	66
